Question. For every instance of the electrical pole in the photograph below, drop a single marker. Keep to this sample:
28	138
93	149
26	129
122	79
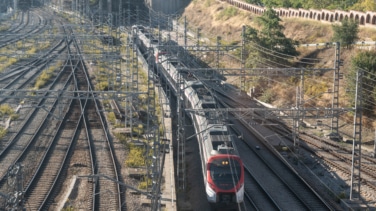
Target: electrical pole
181	133
335	99
357	140
242	67
15	200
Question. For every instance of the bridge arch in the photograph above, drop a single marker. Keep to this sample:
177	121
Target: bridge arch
361	20
368	18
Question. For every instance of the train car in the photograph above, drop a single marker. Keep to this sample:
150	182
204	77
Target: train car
223	170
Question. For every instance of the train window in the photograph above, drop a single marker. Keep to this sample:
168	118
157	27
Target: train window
218	133
225	173
223	149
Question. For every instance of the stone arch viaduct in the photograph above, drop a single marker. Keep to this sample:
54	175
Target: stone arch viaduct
363	18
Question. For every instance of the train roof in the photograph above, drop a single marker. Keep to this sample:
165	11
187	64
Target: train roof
203	93
217	128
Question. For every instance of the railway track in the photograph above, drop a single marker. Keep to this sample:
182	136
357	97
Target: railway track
27	131
286	188
33	25
329	202
273	172
280	186
334	156
33	138
47	182
48	137
23	20
19	78
327	153
107	194
256	196
337	156
11	83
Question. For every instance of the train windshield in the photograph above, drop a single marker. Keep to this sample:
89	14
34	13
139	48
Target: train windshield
225	172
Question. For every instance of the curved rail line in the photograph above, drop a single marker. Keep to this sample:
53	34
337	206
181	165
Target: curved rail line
43	153
16	27
39	193
335	155
35	148
42	24
103	151
299	190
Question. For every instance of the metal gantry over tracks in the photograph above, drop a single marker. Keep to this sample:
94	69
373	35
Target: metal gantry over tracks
298	113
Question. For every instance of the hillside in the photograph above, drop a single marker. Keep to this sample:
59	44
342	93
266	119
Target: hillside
219	18
216	18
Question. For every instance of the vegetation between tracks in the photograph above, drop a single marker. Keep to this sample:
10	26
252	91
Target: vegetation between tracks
46	75
6	112
4	28
105	74
25	50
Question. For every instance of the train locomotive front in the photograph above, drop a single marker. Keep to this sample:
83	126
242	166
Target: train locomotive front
225	179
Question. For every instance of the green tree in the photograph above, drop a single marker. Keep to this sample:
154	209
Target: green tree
257	2
365	60
268	44
251	36
277	3
272	36
317	4
296	3
346	33
364	5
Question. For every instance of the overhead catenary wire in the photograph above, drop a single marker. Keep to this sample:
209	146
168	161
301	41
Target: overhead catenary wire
271	53
282	55
273	63
285	56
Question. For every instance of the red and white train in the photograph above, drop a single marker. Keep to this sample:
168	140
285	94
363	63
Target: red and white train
223	170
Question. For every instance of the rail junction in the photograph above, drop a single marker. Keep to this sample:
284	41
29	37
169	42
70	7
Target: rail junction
61	128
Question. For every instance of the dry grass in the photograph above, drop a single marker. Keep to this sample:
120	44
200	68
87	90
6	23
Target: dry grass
215	19
210	16
212	19
307	31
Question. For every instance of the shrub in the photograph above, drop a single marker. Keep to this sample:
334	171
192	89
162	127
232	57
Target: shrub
346	33
111	117
14	116
268	96
103	85
3	132
227	13
6	109
138	130
135	157
144	184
